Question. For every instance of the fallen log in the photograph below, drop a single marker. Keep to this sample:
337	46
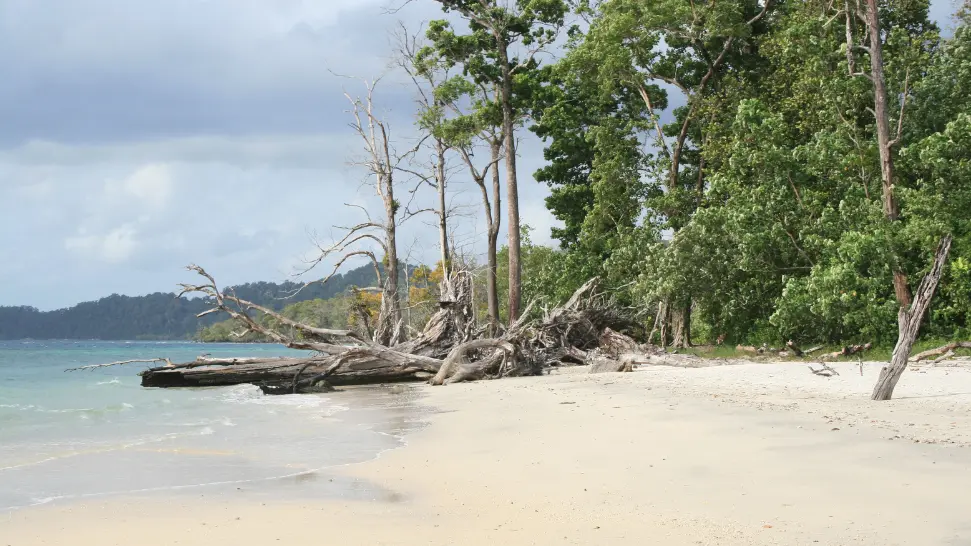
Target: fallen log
458	367
941	350
358	366
946	356
443	352
604	363
847	351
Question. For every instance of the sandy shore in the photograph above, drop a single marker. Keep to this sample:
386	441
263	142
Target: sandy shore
751	455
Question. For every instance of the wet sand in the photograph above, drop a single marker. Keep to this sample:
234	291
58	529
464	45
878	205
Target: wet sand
753	454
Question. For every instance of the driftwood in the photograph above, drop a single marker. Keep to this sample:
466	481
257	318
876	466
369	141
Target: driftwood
445	352
457	366
356	367
621	353
950	347
451	325
825	371
168	364
847	351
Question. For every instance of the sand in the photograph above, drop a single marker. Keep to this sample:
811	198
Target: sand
753	454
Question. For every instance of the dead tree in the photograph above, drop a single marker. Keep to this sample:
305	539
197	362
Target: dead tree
451	325
912	307
908	323
381	162
361	360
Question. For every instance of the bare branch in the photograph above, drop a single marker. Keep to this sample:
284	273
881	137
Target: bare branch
168	364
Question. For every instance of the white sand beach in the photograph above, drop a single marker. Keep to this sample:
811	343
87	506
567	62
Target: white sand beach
754	454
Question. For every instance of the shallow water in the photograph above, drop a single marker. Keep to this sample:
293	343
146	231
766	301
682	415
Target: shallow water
88	434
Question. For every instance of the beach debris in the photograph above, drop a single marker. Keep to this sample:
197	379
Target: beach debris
799	352
847	351
168	364
825	371
448	350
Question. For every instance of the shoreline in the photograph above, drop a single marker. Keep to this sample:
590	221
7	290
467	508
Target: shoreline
747	454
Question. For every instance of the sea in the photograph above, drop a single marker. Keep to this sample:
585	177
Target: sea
96	434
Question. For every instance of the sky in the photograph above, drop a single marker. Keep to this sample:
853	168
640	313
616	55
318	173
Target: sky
139	137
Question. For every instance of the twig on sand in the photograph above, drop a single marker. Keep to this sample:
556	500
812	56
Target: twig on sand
825	371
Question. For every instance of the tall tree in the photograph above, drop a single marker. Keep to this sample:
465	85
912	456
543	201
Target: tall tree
427	73
631	48
503	41
913	306
480	126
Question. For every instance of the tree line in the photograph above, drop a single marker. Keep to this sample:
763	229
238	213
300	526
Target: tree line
741	170
161	316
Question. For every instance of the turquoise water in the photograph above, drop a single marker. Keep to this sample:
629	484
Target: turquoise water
90	434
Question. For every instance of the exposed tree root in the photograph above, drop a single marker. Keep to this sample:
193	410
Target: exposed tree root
586	329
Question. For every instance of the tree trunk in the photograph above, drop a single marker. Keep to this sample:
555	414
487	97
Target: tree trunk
664	313
494	224
512	188
681	324
908	324
912	310
890	206
442	211
389	330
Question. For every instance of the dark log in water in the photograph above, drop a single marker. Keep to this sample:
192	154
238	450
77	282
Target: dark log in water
297	374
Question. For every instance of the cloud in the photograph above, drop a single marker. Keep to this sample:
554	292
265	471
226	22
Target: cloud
114	247
151	184
107	71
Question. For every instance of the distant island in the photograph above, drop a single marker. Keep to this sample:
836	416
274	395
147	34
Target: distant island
163	316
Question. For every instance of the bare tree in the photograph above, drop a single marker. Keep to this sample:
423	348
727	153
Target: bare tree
381	162
912	307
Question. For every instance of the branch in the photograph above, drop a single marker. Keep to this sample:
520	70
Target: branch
168	364
657	124
903	104
252	325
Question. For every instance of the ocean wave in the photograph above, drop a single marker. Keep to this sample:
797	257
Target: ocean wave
114	381
47	500
251	394
94	449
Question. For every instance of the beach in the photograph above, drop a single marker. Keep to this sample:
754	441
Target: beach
754	454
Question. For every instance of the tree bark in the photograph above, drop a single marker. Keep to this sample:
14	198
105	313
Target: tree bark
512	187
492	280
681	323
389	329
358	366
442	209
908	324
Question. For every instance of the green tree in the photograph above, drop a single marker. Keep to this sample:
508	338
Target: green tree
489	54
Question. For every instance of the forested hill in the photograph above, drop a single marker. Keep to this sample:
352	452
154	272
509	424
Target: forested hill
159	315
